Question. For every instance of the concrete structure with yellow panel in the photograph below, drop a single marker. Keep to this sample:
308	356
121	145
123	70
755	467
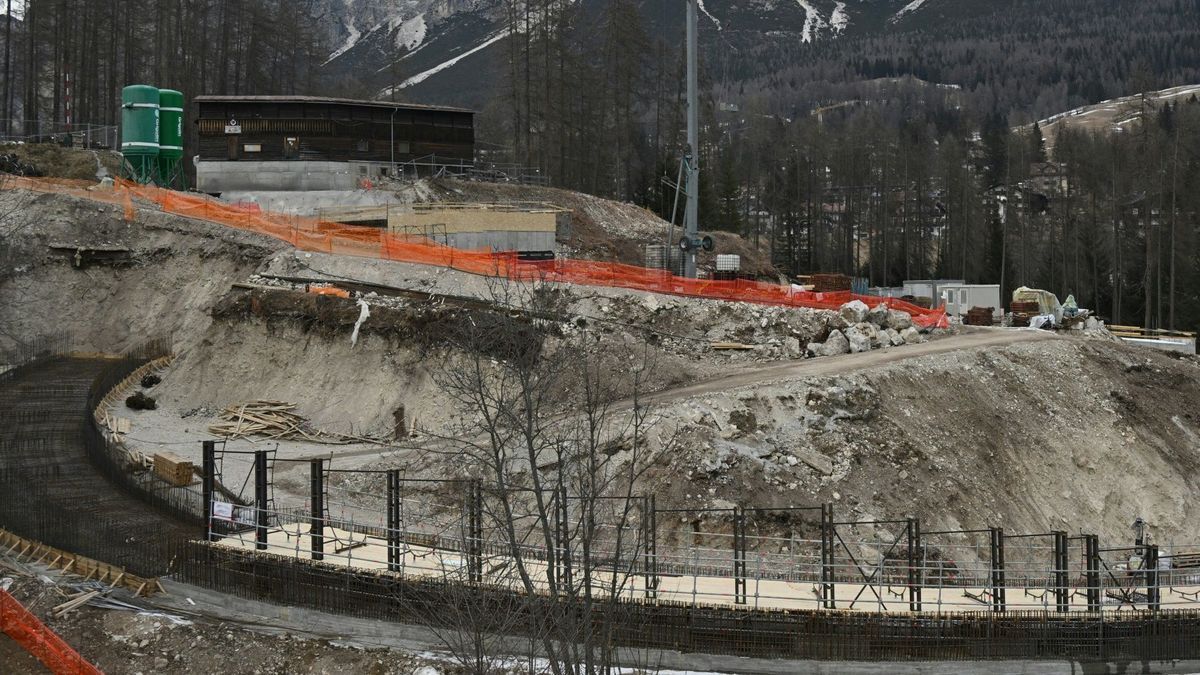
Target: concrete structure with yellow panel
525	227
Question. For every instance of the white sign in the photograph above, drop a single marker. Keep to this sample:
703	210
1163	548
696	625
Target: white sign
222	511
232	127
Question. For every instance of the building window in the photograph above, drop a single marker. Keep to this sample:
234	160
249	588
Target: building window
362	145
252	147
291	147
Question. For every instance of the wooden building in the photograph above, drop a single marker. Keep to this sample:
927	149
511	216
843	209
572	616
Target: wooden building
307	128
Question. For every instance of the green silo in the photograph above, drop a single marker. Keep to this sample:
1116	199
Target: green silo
170	138
139	131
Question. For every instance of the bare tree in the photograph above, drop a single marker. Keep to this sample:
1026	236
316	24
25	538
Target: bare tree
555	429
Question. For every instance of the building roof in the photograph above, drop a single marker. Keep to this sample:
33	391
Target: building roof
325	99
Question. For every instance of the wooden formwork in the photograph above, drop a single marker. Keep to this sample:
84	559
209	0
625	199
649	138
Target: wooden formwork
71	563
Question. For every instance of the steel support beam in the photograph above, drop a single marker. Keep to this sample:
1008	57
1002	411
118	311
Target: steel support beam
828	599
208	468
915	564
475	534
393	520
1062	590
739	555
316	519
1092	551
999	602
260	500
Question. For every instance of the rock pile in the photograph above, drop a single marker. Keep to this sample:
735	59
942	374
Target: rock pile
868	328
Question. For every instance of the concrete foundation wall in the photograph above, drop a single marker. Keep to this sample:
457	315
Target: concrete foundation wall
217	177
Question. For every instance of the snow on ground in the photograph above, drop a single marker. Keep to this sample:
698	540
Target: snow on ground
910	7
709	14
812	22
839	19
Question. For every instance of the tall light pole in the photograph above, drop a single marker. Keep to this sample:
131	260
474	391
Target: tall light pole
692	156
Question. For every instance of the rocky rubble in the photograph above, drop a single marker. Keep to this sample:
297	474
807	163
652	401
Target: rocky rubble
1028	436
867	328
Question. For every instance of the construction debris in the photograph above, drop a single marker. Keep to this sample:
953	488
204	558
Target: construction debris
273	420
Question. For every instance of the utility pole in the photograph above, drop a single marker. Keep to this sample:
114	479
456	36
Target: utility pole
692	156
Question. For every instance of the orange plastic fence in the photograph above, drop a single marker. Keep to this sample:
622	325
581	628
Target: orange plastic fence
37	639
312	234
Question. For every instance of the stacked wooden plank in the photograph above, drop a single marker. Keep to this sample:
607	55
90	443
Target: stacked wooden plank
273	419
979	316
829	283
1022	311
173	469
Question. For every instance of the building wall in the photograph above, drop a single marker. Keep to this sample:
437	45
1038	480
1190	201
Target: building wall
330	131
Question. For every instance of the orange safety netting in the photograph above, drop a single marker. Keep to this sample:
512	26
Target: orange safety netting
36	638
312	234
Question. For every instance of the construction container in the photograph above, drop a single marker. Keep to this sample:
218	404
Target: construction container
728	262
960	298
139	131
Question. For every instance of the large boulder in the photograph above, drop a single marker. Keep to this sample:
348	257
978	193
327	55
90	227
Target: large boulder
899	320
835	344
854	312
912	336
894	337
861	337
878	315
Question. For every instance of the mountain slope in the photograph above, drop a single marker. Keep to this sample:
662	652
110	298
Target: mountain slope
448	51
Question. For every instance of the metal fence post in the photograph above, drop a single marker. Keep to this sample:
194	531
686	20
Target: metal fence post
914	564
1062	598
260	499
739	555
316	520
475	527
650	553
208	468
828	600
393	520
1153	591
997	559
1092	546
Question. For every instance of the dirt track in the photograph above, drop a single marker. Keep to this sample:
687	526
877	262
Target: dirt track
972	338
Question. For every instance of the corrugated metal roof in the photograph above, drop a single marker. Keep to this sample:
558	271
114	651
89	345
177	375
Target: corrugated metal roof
324	99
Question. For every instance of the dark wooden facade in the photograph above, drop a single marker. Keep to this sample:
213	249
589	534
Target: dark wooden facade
326	129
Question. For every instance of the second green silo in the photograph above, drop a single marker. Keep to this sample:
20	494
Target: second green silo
170	138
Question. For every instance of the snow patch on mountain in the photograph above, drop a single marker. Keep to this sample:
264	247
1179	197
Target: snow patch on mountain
426	74
910	7
839	19
351	39
410	33
709	14
812	22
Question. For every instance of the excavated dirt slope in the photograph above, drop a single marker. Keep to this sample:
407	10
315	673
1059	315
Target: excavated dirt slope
1068	433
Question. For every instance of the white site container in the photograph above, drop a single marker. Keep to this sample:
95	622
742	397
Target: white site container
960	298
728	262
